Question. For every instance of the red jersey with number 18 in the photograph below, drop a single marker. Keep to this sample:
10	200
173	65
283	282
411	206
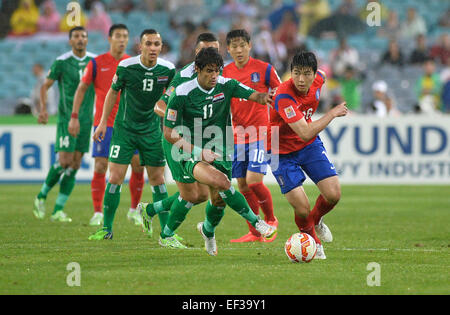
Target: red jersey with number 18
101	71
290	106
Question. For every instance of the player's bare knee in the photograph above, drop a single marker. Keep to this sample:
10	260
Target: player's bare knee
217	201
202	197
190	196
222	183
333	197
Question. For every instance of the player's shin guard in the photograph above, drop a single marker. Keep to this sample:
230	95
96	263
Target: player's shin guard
53	176
214	215
321	208
98	185
237	202
252	201
178	212
110	204
264	197
66	186
159	193
306	225
136	185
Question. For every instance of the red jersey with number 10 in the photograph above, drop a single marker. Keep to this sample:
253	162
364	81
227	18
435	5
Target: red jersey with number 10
290	106
261	77
101	71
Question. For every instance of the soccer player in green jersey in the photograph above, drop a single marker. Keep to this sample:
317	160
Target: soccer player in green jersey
197	110
67	69
204	40
141	80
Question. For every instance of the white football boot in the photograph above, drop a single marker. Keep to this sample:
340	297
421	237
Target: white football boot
323	232
320	253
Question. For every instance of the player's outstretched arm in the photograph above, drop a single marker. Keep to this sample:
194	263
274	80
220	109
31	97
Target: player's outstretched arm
261	98
108	106
306	131
160	108
43	114
74	123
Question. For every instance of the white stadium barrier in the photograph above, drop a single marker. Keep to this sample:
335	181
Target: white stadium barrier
409	149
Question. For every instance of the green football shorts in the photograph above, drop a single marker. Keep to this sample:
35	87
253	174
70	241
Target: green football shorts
66	143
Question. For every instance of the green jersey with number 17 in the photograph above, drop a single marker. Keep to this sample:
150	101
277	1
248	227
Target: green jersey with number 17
205	115
68	69
141	87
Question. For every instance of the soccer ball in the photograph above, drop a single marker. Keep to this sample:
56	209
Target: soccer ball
300	247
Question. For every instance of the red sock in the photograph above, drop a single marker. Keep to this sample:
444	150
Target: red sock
321	208
98	185
252	201
136	186
265	200
306	225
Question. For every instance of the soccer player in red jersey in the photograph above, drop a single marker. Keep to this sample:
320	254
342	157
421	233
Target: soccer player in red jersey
300	149
100	71
251	125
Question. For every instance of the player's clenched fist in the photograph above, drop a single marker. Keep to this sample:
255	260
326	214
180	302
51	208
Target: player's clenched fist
340	110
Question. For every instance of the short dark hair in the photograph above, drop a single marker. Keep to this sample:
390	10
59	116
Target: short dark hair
237	34
208	56
304	59
206	37
76	28
148	31
117	27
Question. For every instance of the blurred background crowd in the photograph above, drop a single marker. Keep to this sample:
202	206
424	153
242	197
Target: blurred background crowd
397	66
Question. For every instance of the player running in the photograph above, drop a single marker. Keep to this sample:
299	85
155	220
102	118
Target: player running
196	121
300	149
204	40
251	124
141	80
100	71
67	69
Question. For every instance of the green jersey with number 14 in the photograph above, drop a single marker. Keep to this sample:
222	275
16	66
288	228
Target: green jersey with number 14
141	88
68	69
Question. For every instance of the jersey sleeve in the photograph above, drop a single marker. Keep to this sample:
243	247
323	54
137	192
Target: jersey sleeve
118	82
274	79
287	108
240	90
174	82
88	74
174	111
55	70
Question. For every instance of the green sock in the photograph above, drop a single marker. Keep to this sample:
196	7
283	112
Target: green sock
238	203
110	203
162	205
213	216
66	187
159	193
178	212
51	180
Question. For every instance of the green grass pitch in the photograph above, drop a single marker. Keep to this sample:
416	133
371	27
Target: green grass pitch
403	229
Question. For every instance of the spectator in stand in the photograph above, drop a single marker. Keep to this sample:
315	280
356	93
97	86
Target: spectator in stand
344	56
276	15
99	19
413	25
441	50
382	104
311	12
69	21
24	19
123	6
267	49
232	8
347	7
287	31
52	97
50	18
350	88
391	28
393	55
428	89
420	52
444	21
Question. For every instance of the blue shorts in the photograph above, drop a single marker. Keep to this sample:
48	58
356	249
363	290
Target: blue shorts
249	156
101	149
312	160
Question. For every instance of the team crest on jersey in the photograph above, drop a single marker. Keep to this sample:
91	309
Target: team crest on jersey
255	77
172	115
218	97
163	79
290	112
317	94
